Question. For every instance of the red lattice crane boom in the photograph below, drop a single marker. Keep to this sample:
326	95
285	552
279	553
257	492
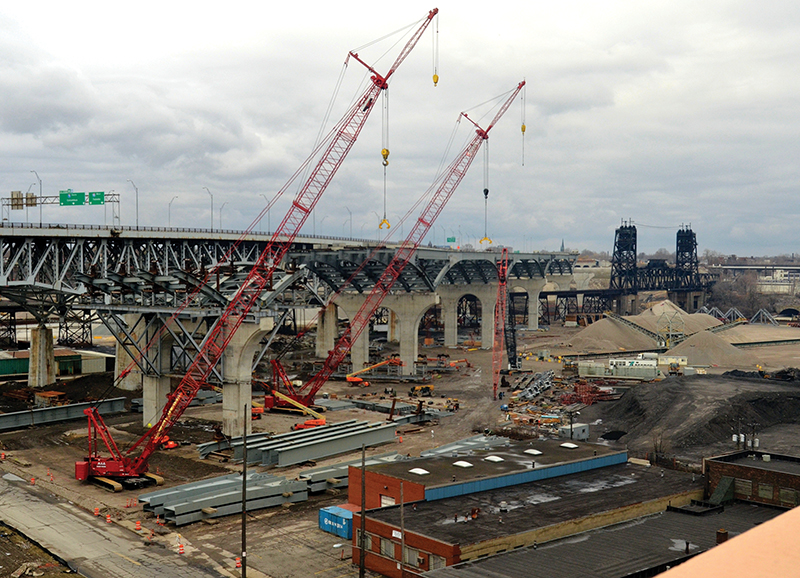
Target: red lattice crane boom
500	308
343	136
447	184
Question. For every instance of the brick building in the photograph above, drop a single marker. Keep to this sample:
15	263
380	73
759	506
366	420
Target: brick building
755	477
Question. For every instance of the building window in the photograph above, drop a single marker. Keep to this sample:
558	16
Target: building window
788	497
387	548
743	487
387	501
367	540
765	491
435	562
411	557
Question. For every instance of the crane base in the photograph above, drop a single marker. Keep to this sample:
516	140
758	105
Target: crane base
133	483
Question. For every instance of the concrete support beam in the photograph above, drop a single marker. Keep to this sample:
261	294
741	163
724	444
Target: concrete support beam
237	389
407	310
450	320
327	330
154	396
450	295
533	287
42	361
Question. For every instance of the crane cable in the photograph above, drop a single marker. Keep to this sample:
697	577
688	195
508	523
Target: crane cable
385	153
435	39
485	195
522	98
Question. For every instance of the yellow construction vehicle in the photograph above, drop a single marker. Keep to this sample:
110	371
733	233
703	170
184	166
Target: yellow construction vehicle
353	379
421	390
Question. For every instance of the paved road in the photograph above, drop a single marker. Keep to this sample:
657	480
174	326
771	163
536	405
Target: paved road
88	544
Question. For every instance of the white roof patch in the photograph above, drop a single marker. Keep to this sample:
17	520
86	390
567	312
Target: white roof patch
569	446
462	464
418	471
533	452
493	459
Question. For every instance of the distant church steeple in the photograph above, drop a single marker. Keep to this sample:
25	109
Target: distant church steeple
562	245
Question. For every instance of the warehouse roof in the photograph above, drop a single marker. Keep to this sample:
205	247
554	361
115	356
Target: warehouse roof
773	462
516	509
615	551
516	456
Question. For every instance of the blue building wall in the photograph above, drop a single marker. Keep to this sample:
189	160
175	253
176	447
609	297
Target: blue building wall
515	479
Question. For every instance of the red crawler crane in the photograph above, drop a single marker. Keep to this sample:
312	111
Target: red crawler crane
448	182
133	467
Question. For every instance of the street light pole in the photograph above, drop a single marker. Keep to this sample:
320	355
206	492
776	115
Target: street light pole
26	201
40	196
220	214
351	222
269	225
212	207
135	188
169	212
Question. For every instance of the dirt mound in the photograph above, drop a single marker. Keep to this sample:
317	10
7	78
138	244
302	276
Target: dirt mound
691	323
699	411
706	348
609	335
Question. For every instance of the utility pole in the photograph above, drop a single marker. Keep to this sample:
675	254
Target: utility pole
244	496
362	568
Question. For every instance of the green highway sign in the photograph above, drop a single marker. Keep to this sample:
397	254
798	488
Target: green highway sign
451	239
97	198
69	198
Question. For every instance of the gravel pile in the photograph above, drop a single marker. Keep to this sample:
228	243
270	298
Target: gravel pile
709	349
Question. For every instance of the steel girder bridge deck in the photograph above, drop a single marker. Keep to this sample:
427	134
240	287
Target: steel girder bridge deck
133	280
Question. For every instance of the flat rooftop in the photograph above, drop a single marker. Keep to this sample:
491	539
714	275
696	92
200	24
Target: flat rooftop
441	469
616	551
538	504
776	463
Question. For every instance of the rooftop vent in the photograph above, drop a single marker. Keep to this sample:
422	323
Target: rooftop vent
419	471
493	459
569	446
462	464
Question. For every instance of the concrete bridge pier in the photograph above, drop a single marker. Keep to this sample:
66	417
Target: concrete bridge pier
450	295
407	313
533	287
237	386
327	330
42	361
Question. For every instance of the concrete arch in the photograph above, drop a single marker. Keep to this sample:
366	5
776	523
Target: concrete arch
451	295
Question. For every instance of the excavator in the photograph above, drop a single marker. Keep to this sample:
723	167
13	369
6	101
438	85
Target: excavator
353	379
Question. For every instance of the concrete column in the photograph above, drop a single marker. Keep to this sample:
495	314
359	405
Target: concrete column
409	310
450	320
359	351
488	302
327	330
154	396
42	361
533	288
237	389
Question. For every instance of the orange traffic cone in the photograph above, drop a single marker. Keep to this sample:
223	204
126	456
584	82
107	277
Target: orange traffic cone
2	455
238	562
33	481
138	525
97	511
180	548
108	518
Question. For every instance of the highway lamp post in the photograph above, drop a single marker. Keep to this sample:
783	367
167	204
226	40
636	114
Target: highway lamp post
344	225
400	220
212	207
322	220
220	214
269	225
378	230
169	212
362	228
40	196
135	188
351	221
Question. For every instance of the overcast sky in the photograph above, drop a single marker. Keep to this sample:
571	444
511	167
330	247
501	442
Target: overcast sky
666	113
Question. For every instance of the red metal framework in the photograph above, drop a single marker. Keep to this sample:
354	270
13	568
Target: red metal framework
339	143
500	308
447	184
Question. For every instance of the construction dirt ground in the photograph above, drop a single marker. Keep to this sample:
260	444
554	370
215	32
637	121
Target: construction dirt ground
685	418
